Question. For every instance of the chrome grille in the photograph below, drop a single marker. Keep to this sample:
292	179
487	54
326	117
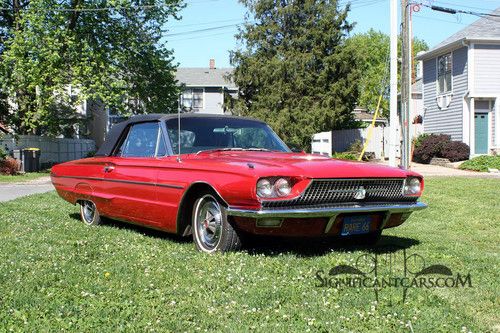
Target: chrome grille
342	191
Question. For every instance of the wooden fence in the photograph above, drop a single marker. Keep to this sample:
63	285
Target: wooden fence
327	143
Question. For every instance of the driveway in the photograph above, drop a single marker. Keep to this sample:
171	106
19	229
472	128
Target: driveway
436	170
11	191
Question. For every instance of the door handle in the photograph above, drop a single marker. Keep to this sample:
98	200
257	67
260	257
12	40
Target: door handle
108	168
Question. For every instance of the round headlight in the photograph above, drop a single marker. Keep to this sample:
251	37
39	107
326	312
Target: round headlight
412	186
264	188
282	187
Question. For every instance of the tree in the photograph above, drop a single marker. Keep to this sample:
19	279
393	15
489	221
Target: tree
105	50
296	71
373	51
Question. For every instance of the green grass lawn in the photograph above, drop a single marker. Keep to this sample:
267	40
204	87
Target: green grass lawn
24	177
58	274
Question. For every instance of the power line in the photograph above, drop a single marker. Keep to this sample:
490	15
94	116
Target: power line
355	3
367	3
463	6
437	19
97	9
361	3
199	30
457	11
239	20
199	37
200	2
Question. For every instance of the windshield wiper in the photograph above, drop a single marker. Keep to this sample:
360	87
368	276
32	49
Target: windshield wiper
218	149
257	149
232	149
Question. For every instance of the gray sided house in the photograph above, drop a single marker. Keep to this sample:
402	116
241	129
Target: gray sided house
205	90
461	86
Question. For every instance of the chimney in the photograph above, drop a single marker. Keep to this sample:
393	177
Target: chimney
212	64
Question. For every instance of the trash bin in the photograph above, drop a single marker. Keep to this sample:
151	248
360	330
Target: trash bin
31	159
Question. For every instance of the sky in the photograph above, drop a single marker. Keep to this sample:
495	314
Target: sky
207	27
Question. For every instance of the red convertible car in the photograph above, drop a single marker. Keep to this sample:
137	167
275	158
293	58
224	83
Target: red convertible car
221	177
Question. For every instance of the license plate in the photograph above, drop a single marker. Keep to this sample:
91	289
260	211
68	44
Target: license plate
355	225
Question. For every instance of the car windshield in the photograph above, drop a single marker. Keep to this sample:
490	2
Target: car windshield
221	133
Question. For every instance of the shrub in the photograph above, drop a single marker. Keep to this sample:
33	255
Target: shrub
9	166
455	151
353	152
418	141
356	147
481	163
90	153
346	156
428	146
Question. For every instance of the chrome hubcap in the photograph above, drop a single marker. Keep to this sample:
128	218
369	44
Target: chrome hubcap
208	222
88	211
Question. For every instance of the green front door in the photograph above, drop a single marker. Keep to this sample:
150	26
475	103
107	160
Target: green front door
481	133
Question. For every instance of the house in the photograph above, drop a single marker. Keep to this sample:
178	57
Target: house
416	106
461	86
362	115
331	142
100	120
205	89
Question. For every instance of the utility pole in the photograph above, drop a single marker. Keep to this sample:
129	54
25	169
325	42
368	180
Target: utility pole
406	70
407	140
393	97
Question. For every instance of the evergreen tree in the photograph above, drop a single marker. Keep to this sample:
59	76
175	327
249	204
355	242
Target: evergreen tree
295	70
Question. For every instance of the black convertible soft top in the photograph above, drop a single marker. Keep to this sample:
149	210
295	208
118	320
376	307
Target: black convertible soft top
115	132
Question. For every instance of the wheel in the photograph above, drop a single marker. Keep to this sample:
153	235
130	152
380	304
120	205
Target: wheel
370	239
211	230
89	213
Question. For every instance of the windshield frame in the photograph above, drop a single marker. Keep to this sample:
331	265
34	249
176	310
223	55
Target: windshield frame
173	122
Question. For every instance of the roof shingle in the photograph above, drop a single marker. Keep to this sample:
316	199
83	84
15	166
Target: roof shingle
204	77
483	28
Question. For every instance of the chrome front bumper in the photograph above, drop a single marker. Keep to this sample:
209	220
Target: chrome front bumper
327	211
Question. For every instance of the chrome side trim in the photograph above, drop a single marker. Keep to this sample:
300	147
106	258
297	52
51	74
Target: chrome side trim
325	212
120	181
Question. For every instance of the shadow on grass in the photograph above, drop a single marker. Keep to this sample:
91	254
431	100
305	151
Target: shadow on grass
320	246
149	232
273	246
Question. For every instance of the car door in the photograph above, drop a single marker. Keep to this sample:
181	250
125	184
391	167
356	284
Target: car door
131	173
89	184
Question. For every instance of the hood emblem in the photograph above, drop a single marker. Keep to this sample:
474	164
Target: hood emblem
360	193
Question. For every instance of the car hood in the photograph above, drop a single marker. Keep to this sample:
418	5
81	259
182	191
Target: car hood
297	164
